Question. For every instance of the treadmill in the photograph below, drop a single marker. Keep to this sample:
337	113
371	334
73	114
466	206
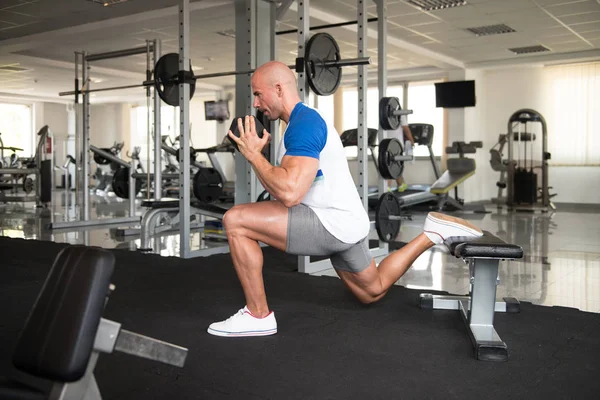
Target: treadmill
418	194
350	138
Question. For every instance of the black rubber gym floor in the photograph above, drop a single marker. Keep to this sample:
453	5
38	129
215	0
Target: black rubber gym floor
329	346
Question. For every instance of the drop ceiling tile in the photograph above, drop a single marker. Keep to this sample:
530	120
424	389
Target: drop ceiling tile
551	32
581	18
471	23
568	47
462	12
494	7
561	10
563	39
556	2
400	8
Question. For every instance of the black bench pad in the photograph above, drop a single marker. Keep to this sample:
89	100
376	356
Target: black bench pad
14	390
486	246
59	334
160	203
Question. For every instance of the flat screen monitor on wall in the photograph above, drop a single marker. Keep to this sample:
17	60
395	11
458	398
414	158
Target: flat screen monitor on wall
216	110
455	94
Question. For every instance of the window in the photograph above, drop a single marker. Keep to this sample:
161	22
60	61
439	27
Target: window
421	99
572	113
351	110
326	107
16	129
351	106
169	126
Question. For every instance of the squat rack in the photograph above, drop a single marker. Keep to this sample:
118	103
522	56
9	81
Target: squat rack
82	136
253	17
305	265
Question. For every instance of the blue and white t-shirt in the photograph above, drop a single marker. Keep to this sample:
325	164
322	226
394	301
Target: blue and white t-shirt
333	195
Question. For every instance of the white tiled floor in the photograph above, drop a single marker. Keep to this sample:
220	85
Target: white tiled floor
561	265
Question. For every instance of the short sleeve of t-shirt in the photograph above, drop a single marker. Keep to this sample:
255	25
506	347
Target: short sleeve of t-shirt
306	134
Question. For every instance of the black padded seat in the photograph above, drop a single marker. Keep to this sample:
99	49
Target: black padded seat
486	246
160	203
350	137
58	338
209	207
12	390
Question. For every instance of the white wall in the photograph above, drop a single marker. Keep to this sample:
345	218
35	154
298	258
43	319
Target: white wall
499	94
106	125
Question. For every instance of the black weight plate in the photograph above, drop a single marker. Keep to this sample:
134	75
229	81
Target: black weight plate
388	167
264	196
322	79
234	128
387	120
120	183
387	229
166	71
208	185
101	160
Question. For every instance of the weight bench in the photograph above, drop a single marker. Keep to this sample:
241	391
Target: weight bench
477	309
65	332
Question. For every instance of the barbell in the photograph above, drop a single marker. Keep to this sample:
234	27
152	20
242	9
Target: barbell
322	64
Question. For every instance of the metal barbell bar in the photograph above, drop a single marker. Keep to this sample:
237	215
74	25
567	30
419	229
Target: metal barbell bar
341	63
401	112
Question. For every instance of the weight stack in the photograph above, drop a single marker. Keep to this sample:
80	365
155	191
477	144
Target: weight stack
525	184
46	181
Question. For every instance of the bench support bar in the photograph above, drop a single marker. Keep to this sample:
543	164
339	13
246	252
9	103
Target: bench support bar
478	308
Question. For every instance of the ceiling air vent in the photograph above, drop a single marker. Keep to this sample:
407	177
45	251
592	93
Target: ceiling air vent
491	30
107	3
528	49
431	5
12	68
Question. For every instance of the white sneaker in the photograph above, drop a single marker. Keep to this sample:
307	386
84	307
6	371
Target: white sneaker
243	323
439	227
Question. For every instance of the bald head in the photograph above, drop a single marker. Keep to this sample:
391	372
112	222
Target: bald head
275	90
275	72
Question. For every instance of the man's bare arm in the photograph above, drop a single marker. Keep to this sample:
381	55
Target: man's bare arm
289	182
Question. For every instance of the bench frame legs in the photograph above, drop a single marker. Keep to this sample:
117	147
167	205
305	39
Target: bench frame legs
477	309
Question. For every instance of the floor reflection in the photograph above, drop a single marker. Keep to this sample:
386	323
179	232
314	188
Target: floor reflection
561	266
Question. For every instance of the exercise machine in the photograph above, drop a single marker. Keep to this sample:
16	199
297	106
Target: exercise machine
65	334
527	169
106	168
23	175
499	164
437	197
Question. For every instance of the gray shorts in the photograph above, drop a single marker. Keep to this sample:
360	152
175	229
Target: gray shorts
308	237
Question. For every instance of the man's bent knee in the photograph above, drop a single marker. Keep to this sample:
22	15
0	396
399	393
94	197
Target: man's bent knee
368	296
232	219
